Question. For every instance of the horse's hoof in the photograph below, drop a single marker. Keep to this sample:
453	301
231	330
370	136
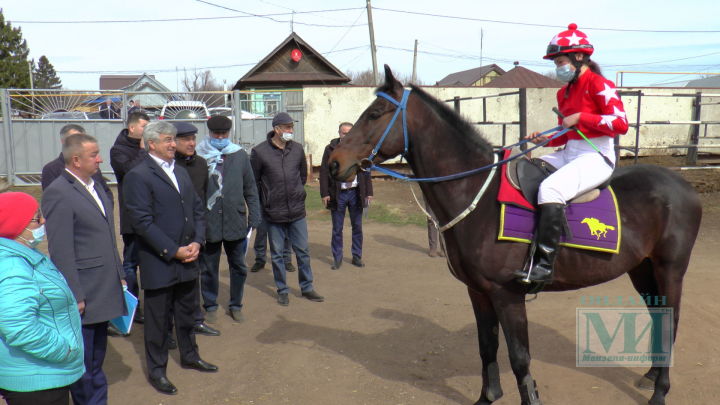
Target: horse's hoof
645	383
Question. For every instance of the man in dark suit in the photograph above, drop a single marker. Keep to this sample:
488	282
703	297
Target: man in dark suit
81	242
109	111
339	197
168	220
53	169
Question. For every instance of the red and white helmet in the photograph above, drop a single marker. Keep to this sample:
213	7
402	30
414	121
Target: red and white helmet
569	41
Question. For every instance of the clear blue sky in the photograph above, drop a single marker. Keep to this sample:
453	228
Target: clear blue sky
520	31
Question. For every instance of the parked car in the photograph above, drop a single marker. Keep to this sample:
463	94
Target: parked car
65	115
228	112
184	110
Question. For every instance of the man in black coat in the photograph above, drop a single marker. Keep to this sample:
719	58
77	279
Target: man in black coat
231	188
338	197
280	170
53	169
125	154
168	219
196	166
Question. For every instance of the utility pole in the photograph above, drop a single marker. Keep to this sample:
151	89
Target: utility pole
373	50
32	87
481	46
414	74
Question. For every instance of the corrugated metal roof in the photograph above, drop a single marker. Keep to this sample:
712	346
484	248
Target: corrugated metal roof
470	76
522	78
711	82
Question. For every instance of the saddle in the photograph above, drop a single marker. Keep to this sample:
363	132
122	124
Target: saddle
526	174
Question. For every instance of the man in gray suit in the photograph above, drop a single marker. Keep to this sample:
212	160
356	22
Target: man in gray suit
81	242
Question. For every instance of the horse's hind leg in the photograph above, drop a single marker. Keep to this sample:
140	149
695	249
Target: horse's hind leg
513	319
644	282
667	272
487	327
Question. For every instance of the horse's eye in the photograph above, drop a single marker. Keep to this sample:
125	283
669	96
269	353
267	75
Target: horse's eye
375	114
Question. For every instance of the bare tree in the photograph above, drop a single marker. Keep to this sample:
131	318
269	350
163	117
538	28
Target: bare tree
203	81
365	78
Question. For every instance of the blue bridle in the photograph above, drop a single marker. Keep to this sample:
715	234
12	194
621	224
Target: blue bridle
402	107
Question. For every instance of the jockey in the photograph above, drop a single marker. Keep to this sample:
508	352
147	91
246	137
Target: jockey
589	104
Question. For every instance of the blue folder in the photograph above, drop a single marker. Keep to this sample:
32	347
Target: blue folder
124	322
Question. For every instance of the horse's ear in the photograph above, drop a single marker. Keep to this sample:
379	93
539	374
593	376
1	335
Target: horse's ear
390	81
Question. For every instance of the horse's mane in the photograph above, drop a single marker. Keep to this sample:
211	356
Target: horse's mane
459	124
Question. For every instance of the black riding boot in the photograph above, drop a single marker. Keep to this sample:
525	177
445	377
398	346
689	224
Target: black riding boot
547	237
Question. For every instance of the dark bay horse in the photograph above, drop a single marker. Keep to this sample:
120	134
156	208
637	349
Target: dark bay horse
660	217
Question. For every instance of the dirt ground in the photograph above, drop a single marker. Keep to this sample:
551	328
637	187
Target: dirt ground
401	331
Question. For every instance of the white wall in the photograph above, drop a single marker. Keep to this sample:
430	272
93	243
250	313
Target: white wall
326	107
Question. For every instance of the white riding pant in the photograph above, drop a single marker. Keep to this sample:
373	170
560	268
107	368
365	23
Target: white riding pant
580	169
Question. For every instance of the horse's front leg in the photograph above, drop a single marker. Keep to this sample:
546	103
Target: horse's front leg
487	327
513	319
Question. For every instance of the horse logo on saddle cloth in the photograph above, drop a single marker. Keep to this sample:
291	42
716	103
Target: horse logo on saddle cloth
593	219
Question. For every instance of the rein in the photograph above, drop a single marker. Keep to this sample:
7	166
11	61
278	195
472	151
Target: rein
402	107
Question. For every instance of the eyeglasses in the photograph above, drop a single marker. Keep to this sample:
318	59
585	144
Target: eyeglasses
36	219
557	48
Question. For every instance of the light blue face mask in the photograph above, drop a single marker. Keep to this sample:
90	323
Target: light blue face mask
287	136
38	235
219	143
565	73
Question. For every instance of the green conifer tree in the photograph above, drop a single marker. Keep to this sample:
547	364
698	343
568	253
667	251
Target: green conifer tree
14	70
44	75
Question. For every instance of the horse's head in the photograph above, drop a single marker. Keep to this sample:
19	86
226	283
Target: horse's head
353	151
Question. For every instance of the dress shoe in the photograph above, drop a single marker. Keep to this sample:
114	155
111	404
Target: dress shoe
172	343
211	316
257	267
356	261
162	384
200	365
139	317
336	264
289	267
204	329
313	296
236	315
113	331
283	299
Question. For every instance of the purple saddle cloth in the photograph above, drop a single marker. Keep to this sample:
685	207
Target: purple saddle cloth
594	225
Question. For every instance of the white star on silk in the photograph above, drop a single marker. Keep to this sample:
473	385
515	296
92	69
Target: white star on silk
555	40
573	39
620	113
609	93
607	120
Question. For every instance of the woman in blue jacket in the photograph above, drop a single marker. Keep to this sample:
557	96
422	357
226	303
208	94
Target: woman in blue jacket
41	347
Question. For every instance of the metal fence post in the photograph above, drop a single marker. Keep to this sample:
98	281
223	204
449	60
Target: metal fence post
456	104
237	113
124	109
692	153
7	136
522	107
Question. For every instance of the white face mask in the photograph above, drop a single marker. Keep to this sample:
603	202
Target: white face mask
565	73
287	136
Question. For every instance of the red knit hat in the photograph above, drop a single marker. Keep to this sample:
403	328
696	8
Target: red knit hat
16	211
572	40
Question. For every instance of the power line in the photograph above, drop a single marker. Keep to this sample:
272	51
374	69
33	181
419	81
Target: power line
273	19
247	15
543	25
171	70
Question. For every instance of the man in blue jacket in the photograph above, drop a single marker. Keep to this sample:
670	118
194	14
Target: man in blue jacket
281	173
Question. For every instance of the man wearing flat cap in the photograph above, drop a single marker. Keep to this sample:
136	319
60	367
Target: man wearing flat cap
233	208
196	166
281	173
